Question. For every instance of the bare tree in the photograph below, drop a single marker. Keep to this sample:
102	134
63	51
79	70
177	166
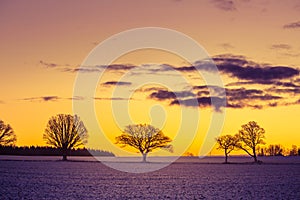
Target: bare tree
7	135
65	132
275	150
228	143
145	138
293	151
250	136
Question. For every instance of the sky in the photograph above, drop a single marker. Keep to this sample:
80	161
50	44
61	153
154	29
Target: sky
254	44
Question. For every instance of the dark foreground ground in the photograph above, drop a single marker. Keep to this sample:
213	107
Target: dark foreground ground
52	179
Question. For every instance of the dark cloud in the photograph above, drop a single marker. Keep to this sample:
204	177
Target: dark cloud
162	95
226	5
120	83
201	65
281	46
286	84
216	102
242	93
243	69
292	25
186	68
187	98
256	73
237	98
118	67
253	98
289	91
232	59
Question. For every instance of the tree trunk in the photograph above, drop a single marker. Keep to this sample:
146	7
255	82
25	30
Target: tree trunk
254	155
144	157
65	154
226	156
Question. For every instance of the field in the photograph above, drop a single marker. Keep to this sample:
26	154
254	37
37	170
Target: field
188	178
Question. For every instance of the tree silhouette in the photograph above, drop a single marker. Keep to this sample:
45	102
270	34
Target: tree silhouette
145	138
228	143
250	136
293	151
275	150
7	135
65	132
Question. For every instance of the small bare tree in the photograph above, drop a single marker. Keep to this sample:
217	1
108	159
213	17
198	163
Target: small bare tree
7	135
293	151
145	138
228	143
65	132
250	136
275	150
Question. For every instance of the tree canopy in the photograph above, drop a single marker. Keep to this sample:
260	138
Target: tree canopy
250	136
228	143
66	132
7	135
145	138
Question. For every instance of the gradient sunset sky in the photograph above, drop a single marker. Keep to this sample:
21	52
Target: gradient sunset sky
254	43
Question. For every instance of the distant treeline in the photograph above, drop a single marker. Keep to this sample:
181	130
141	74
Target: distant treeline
278	150
50	151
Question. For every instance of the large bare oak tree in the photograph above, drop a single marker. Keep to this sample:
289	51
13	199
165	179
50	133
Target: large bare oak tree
7	135
145	138
250	137
65	132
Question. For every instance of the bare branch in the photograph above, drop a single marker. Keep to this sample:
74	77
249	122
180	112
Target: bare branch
144	138
7	135
65	132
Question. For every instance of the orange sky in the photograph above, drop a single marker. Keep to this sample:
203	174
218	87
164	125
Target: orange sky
36	33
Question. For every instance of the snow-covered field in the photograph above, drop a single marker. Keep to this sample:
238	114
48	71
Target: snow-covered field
188	178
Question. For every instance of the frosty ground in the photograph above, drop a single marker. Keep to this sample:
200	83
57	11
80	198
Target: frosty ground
43	178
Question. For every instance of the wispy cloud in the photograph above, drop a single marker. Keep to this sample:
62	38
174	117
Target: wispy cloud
281	46
48	64
112	98
293	25
99	68
226	5
263	82
50	98
119	83
52	64
226	46
41	99
86	69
